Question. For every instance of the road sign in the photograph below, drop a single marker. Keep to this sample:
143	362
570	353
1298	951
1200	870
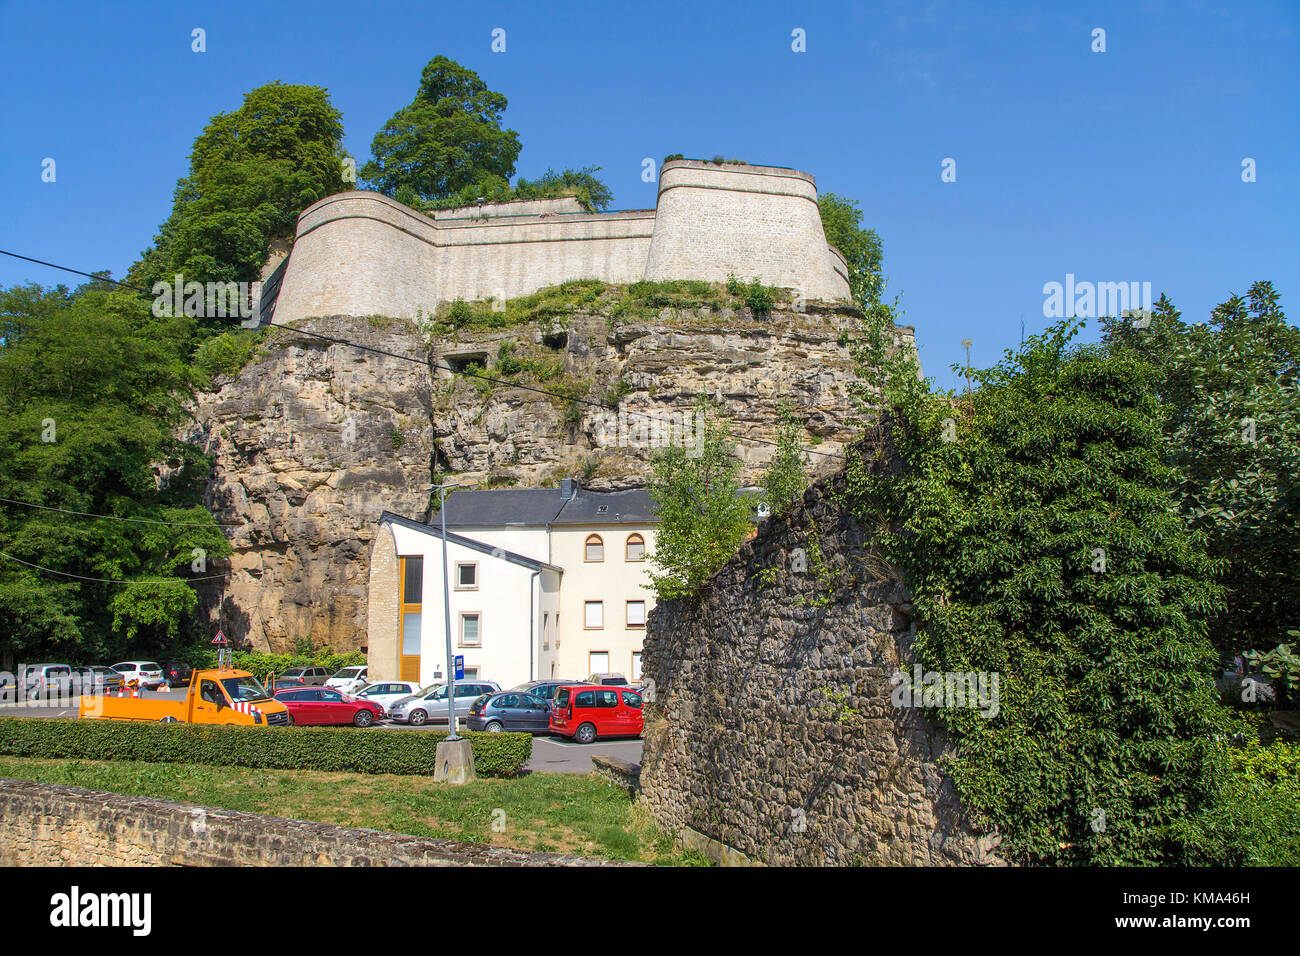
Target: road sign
460	666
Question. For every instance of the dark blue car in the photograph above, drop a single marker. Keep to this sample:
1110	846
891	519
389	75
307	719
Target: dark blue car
510	710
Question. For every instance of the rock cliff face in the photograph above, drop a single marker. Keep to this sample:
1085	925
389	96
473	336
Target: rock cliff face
313	440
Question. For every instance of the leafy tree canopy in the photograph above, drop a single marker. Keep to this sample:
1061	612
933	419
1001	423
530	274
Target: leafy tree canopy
91	392
251	173
1034	523
447	140
703	513
1230	415
842	223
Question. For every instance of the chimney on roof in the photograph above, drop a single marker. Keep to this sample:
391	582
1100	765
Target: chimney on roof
568	489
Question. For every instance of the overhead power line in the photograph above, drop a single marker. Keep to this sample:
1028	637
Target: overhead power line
81	577
91	514
444	367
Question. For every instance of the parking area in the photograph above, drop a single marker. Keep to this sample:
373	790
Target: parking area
550	754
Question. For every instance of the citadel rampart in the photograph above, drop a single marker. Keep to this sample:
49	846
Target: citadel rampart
360	253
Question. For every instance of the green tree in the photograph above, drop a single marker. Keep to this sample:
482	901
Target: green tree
786	478
1230	414
1034	523
704	516
251	173
447	140
92	388
861	248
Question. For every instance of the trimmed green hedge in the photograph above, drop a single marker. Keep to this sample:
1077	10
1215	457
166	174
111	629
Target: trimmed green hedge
331	749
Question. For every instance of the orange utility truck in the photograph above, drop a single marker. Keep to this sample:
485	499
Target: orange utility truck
220	696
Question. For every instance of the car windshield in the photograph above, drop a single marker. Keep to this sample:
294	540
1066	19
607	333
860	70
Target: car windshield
349	672
244	688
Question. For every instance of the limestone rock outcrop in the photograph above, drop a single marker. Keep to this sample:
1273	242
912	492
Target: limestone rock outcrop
312	440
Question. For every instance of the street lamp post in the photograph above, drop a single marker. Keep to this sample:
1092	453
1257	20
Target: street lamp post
446	611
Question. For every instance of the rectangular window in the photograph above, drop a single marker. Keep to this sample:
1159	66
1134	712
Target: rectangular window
466	576
595	615
598	662
636	613
636	665
413	580
411	634
470	635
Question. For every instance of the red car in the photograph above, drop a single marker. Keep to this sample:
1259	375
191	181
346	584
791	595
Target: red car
320	705
584	712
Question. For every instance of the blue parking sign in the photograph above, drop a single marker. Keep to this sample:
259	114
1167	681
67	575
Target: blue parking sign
459	660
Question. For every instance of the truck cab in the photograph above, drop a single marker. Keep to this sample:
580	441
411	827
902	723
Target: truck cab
218	696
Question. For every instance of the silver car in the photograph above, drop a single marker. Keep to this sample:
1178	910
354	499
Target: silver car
430	704
47	680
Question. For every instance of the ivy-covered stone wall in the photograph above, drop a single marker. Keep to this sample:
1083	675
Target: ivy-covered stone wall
774	728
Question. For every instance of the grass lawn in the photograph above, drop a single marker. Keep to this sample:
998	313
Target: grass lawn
559	812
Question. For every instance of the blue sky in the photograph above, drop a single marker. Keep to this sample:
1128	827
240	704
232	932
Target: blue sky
1115	166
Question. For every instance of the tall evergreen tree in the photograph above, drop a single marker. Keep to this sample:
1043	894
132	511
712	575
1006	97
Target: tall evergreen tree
447	140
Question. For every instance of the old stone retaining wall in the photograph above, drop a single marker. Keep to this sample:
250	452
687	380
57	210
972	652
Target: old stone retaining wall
45	824
772	729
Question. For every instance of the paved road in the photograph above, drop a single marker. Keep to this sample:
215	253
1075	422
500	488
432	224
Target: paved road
550	754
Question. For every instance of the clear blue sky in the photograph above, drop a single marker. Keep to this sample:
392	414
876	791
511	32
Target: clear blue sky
1115	166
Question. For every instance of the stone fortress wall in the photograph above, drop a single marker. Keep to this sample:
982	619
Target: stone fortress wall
360	253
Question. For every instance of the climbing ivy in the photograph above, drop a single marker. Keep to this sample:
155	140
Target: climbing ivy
1034	523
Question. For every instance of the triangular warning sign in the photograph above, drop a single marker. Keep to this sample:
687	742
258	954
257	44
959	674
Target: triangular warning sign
219	639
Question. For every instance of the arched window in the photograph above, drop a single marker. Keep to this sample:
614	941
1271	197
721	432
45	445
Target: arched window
595	548
635	548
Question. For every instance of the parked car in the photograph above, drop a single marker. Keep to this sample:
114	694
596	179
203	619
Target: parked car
97	680
308	675
608	680
431	702
349	679
147	673
322	705
46	680
387	693
177	673
511	710
585	713
284	683
545	689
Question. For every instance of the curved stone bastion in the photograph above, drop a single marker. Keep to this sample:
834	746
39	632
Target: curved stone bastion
360	253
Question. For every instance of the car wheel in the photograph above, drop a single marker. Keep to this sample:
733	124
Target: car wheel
364	718
169	720
418	718
586	734
494	727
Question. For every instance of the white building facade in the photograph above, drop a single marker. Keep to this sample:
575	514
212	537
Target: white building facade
543	584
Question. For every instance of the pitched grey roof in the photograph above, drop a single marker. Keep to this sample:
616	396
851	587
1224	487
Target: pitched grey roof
474	508
436	531
538	507
631	506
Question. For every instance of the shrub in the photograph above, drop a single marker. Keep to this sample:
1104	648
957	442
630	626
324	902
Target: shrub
226	354
1035	526
261	665
1255	819
328	749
